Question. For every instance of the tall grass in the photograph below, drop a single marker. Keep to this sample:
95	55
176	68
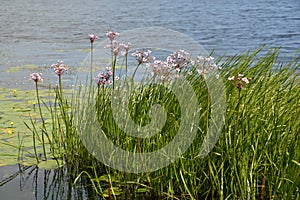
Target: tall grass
256	157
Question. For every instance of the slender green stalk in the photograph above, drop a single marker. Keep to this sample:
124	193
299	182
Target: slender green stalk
114	70
91	67
257	155
42	118
135	70
60	86
126	63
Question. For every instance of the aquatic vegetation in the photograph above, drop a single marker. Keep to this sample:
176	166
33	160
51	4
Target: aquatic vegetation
92	38
15	140
257	155
141	57
20	68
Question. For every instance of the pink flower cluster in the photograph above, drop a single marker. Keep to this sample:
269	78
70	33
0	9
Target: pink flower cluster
179	59
205	65
169	69
59	68
143	57
115	46
160	69
104	77
240	81
36	77
93	37
112	35
125	48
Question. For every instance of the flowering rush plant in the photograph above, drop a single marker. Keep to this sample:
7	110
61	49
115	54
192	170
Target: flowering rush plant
171	67
59	68
239	81
93	37
105	77
36	77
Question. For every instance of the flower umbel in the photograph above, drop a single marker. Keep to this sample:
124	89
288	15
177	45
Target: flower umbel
112	35
205	65
36	77
59	68
179	59
142	57
104	77
115	47
126	48
93	37
240	81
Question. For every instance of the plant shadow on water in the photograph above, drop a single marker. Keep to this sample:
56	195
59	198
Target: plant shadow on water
30	182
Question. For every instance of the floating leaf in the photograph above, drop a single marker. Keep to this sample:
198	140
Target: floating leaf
51	164
8	160
23	67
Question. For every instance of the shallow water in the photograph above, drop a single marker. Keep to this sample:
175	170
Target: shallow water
39	32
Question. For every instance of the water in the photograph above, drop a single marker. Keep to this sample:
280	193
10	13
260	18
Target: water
32	183
36	32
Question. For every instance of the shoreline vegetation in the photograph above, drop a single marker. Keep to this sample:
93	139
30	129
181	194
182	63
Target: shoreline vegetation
257	155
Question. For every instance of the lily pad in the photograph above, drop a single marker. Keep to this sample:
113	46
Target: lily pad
8	160
51	164
19	68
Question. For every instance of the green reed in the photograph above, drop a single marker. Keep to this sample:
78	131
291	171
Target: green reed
256	157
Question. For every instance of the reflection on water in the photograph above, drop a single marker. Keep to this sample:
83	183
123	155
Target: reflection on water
32	183
42	32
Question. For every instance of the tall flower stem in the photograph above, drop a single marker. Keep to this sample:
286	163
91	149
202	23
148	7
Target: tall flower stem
238	110
60	86
91	67
114	69
126	63
43	121
98	100
135	70
92	37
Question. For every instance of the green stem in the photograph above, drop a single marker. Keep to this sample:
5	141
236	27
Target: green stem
238	109
114	69
135	70
98	101
126	63
43	121
34	146
91	68
60	85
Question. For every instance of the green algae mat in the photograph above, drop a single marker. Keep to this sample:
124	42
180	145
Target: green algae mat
18	107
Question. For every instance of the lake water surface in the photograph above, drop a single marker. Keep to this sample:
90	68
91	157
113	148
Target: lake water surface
38	33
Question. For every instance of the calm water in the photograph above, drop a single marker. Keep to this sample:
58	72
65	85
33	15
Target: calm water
36	32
